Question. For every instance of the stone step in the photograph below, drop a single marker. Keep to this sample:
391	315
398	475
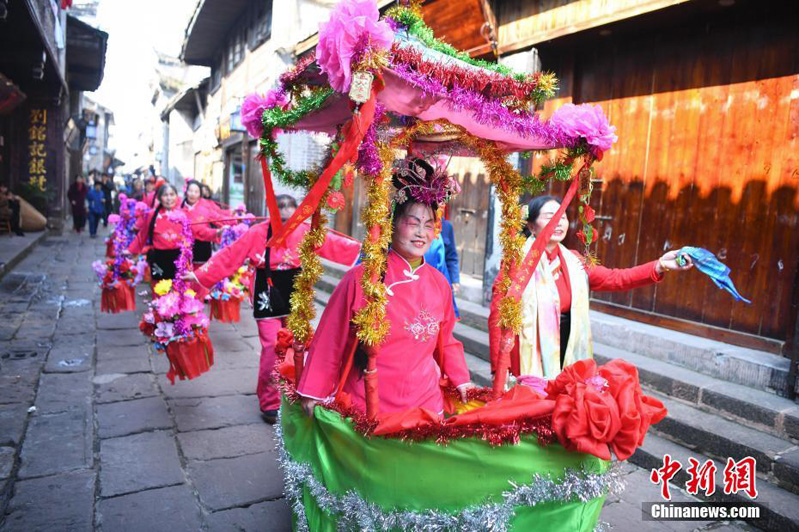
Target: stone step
777	458
779	508
754	408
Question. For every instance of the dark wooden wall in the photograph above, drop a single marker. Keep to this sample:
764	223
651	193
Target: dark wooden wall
707	113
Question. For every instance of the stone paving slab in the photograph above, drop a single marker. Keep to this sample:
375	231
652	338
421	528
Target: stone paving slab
123	320
172	509
215	412
270	516
69	359
12	423
138	364
135	463
63	391
105	353
130	417
231	482
6	461
57	443
68	499
216	382
115	387
122	338
227	442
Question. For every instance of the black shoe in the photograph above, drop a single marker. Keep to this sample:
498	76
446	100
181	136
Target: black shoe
270	416
19	233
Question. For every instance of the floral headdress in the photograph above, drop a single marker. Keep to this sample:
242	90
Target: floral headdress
414	180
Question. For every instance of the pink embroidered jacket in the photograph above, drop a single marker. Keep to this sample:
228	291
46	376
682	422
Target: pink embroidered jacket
338	248
419	310
166	233
207	211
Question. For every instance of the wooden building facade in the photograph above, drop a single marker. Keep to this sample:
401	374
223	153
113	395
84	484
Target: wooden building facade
705	98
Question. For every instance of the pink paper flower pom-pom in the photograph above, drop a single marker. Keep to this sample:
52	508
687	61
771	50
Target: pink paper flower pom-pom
253	107
353	25
587	122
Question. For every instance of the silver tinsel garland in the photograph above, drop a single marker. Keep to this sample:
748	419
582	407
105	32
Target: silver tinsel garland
355	513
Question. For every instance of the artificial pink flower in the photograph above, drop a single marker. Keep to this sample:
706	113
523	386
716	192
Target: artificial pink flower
585	122
253	107
191	305
113	218
196	321
148	317
168	305
353	25
176	215
164	330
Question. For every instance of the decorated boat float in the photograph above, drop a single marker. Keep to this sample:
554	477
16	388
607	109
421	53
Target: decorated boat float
512	458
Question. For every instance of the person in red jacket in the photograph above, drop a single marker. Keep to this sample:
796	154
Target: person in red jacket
200	210
556	330
272	284
162	234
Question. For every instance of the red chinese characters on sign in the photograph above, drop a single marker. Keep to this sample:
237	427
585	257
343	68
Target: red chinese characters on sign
738	476
703	477
37	136
664	474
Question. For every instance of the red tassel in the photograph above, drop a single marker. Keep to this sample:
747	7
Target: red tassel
189	359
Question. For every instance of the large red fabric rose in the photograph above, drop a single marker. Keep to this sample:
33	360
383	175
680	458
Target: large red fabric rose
597	411
637	411
586	420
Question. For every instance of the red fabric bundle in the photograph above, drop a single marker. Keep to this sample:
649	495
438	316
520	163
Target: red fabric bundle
189	359
226	311
597	411
118	298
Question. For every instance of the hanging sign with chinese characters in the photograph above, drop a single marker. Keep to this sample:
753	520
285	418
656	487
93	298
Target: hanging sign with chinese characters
37	141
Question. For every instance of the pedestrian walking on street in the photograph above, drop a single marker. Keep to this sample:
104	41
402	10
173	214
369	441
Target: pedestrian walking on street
96	200
108	193
272	285
77	199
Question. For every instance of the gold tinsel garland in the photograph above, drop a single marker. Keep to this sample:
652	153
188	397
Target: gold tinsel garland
370	320
302	306
509	188
370	323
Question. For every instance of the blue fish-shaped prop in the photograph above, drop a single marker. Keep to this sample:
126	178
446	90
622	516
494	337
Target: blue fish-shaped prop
707	263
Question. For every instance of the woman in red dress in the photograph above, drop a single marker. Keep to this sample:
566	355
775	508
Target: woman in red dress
199	210
556	329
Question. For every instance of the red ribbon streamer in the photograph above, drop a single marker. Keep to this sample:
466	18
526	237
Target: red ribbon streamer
520	277
355	130
271	200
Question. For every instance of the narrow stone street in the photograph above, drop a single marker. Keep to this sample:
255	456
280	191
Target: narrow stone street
93	435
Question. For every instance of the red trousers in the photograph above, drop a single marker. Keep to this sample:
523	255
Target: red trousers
268	396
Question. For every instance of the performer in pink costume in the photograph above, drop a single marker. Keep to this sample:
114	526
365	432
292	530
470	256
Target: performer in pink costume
271	285
202	210
419	310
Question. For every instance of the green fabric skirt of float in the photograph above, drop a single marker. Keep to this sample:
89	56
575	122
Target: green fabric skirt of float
335	474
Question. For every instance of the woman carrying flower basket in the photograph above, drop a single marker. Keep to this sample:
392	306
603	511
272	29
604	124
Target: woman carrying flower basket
162	233
272	284
201	210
